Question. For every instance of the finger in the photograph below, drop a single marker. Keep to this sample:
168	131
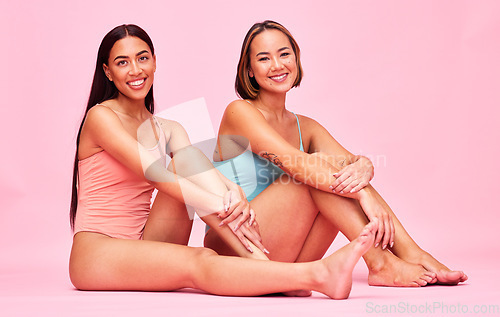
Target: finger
238	209
255	238
354	183
345	183
341	176
226	201
380	232
244	217
358	187
393	231
243	240
252	217
387	232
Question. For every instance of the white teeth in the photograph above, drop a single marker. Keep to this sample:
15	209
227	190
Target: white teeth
137	82
279	77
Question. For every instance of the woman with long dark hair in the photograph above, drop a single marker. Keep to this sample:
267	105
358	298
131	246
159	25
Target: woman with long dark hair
120	244
303	185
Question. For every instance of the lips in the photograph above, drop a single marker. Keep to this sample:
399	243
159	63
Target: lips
136	83
279	78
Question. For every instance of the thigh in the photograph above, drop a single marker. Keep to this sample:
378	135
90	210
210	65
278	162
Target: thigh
168	221
285	212
99	262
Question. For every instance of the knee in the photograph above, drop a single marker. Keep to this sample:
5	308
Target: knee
202	254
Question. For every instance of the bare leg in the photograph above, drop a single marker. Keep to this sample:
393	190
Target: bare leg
192	164
407	249
168	221
101	263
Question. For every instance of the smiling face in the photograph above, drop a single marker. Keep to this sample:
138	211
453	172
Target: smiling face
131	67
272	62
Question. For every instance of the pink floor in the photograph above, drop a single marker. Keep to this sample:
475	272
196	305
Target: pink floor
41	287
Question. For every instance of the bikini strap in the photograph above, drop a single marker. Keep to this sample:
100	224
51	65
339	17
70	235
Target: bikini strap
300	132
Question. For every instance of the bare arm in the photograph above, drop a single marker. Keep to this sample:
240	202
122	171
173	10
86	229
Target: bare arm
106	131
242	119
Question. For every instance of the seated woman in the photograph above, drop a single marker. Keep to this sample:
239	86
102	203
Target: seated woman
303	185
120	157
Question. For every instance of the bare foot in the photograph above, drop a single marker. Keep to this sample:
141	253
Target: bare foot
298	293
444	275
336	280
393	271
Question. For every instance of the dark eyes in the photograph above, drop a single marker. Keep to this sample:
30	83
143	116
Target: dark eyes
284	54
124	62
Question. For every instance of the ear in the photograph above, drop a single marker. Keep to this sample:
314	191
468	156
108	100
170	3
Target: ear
250	72
154	63
107	72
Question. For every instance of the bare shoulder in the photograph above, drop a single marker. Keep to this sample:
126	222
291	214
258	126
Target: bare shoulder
102	117
240	107
169	125
241	111
307	123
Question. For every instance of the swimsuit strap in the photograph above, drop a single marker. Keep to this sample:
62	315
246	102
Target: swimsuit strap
300	132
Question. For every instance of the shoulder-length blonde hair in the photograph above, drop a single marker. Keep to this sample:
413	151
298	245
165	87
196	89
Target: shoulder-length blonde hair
246	86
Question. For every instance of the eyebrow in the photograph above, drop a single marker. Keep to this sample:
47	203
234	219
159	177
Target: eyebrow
123	56
265	53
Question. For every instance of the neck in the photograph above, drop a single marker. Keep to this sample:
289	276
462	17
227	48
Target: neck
131	107
272	103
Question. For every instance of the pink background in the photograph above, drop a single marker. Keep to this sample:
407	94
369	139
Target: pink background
415	85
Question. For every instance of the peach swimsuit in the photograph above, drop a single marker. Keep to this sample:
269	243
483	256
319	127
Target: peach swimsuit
112	200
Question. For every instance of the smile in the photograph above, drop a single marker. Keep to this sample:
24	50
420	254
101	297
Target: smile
137	82
279	77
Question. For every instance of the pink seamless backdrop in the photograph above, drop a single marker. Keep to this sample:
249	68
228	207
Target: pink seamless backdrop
414	85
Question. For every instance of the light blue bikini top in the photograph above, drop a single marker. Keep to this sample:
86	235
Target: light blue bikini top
252	172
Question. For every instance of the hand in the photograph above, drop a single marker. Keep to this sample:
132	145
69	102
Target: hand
234	206
247	231
376	212
353	177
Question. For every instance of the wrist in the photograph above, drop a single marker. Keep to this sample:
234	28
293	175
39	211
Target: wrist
362	194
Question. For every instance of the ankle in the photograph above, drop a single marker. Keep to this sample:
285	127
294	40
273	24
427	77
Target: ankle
376	262
318	275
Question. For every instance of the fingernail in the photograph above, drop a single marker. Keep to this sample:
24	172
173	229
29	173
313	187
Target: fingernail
331	187
352	191
249	249
221	224
392	244
385	246
376	244
218	216
341	191
225	207
265	251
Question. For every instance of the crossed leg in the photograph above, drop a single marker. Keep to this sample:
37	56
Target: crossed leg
294	231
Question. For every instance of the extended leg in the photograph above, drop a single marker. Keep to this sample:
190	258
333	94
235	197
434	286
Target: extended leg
101	263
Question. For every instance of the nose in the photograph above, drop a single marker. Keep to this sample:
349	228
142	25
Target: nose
135	69
277	64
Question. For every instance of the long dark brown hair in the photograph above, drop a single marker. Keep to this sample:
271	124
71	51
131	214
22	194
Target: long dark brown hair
103	89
